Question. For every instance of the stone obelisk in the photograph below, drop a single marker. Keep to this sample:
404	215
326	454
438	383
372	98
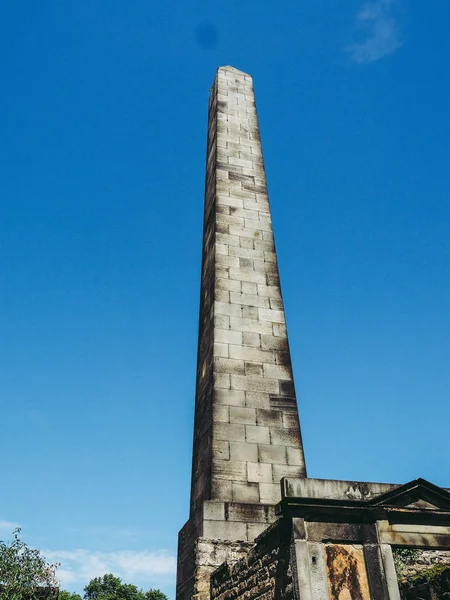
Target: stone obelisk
246	428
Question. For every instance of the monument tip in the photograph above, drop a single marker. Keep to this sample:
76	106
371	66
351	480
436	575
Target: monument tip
233	70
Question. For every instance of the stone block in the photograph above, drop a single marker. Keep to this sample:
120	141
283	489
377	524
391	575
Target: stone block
246	242
247	513
243	452
229	432
257	400
221	413
227	239
259	473
249	312
246	416
249	288
283	358
270	418
253	368
222	210
257	434
280	471
229	285
270	493
279	330
221	295
225	261
290	420
263	267
226	336
230	470
268	453
287	388
242	232
270	342
275	316
248	353
220	450
247	275
225	530
214	511
276	303
221	272
229	397
221	489
221	350
255	205
246	253
285	437
249	300
232	219
253	224
251	339
222	380
221	322
276	371
221	249
262	245
225	308
243	213
269	291
245	492
294	456
230	201
245	263
253	383
229	365
250	325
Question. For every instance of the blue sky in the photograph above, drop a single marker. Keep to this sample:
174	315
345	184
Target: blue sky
103	119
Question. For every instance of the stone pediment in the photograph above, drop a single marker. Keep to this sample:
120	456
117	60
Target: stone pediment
417	501
418	494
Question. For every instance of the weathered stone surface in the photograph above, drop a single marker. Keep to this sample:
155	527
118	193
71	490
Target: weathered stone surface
264	573
240	435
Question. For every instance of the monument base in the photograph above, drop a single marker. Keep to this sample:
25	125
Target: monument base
222	532
335	539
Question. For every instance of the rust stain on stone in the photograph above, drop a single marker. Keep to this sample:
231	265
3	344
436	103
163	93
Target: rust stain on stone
346	571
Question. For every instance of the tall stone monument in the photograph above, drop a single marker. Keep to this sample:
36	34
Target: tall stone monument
246	428
258	528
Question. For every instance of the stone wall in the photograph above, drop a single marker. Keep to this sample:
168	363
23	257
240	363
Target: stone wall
413	562
264	573
423	574
211	553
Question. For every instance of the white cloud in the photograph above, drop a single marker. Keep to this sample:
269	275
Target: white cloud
378	30
8	526
80	566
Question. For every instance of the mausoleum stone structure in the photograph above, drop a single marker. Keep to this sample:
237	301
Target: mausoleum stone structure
258	527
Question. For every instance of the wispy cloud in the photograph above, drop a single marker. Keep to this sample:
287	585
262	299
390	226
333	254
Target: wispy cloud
7	526
378	32
109	532
80	566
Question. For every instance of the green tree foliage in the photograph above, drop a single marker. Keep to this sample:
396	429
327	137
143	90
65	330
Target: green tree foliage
155	595
110	587
63	595
24	572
